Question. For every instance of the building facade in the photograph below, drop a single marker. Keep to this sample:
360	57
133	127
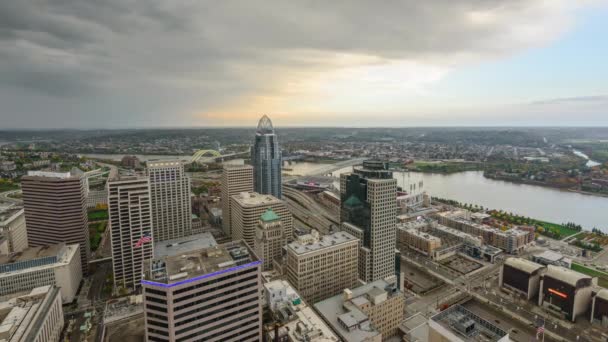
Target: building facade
269	238
56	211
170	198
266	160
368	202
235	179
12	226
322	266
246	209
57	265
131	230
34	317
300	323
209	294
371	312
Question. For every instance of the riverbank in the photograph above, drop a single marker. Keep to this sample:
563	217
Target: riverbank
544	184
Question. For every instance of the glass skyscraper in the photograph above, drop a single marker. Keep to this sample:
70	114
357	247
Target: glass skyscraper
266	160
368	211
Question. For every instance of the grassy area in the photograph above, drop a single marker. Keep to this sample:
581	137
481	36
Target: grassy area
602	277
443	167
563	230
95	232
96	215
7	185
550	229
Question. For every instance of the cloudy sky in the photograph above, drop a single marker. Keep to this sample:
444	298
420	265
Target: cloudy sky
196	63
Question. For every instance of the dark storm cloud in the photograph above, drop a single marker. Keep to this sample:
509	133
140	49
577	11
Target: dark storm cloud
156	57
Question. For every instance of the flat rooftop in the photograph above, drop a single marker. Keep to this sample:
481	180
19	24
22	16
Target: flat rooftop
176	268
7	213
32	253
17	313
183	245
253	199
467	326
320	243
337	312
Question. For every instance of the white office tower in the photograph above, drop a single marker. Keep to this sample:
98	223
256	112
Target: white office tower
131	229
170	198
235	179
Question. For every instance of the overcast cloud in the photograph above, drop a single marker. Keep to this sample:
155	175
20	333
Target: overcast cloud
125	63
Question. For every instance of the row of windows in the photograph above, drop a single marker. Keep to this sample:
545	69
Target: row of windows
211	282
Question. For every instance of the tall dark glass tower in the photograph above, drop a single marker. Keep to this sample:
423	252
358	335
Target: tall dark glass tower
266	160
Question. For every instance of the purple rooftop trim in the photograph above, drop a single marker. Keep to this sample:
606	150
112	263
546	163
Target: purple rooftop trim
208	275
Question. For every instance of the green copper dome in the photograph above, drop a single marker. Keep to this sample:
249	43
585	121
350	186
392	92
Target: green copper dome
269	216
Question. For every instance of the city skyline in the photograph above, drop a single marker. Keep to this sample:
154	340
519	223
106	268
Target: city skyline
462	63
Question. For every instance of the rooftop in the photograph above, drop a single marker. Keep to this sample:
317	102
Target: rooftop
253	199
48	174
9	213
175	269
18	313
346	318
550	256
298	320
265	126
524	265
183	245
566	275
464	325
310	243
32	253
269	216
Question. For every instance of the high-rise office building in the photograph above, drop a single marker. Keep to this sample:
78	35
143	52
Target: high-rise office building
235	179
131	232
208	294
266	160
170	198
246	209
322	266
56	211
368	203
269	238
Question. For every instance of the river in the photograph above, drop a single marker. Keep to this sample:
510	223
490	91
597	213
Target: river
472	187
538	202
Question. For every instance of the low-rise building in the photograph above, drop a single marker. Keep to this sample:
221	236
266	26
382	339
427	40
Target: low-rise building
552	258
293	319
521	276
36	316
322	266
416	239
57	265
12	226
565	291
512	241
370	313
458	324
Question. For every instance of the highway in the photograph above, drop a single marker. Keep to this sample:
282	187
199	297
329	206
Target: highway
4	197
308	211
329	168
